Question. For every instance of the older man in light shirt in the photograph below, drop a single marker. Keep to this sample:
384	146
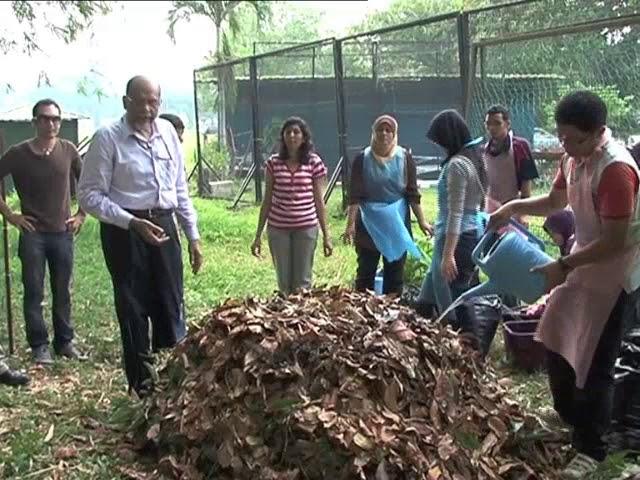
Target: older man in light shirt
133	180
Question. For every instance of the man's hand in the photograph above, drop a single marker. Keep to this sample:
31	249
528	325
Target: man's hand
553	273
23	222
74	224
500	217
149	231
195	256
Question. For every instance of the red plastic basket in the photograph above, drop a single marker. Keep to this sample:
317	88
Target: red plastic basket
522	350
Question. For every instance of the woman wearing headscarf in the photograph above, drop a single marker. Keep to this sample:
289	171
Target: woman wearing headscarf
383	185
561	227
462	187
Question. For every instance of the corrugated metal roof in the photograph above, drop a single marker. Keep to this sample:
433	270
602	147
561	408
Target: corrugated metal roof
23	114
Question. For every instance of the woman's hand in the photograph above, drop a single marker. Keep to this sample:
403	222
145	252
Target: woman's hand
426	228
349	234
256	248
449	268
328	246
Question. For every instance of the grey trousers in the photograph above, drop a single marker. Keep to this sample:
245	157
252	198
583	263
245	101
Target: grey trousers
292	253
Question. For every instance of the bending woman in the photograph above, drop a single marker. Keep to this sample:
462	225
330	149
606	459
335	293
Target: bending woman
461	192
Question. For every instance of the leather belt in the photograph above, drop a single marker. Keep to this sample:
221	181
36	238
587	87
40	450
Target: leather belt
151	212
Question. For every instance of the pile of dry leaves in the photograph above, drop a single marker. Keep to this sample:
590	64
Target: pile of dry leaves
335	384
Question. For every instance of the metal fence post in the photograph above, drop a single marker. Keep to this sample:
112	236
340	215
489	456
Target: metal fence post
341	119
255	127
7	262
464	46
198	146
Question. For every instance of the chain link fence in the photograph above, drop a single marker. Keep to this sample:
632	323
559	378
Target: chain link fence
462	60
411	73
529	72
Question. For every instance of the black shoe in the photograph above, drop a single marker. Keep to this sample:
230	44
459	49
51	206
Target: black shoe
70	351
41	355
13	378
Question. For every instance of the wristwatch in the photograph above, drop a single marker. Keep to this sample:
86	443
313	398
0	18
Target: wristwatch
564	265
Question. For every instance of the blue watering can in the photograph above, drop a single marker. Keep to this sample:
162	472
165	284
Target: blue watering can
508	265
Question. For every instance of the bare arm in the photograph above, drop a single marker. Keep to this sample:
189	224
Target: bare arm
416	208
321	210
266	205
540	206
357	194
22	222
76	168
609	244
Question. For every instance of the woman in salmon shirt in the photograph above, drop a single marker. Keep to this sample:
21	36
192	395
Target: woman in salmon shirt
293	207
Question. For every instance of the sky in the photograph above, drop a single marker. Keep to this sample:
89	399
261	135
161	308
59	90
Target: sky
108	48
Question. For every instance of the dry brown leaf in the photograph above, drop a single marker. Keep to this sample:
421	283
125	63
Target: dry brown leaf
65	453
332	374
363	442
49	434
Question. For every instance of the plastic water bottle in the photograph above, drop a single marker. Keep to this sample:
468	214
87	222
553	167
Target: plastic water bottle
377	285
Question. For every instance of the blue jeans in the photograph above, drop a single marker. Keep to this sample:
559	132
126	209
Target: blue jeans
36	249
435	289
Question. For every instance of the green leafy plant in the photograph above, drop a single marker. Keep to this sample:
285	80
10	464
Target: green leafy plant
621	112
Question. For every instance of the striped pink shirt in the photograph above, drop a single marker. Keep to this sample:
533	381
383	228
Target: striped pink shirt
292	203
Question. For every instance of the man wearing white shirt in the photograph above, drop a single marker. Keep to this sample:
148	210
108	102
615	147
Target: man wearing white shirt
134	181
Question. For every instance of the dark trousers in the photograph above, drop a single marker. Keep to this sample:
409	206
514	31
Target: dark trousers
588	410
148	288
393	272
37	250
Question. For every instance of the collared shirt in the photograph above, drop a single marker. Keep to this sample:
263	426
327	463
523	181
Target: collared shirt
523	158
124	171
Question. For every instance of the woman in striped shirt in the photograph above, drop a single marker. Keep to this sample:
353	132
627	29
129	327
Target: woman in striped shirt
293	206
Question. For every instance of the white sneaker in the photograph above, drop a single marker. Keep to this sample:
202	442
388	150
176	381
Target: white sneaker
579	467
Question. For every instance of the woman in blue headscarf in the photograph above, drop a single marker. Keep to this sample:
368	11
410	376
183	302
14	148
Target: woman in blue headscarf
382	187
462	186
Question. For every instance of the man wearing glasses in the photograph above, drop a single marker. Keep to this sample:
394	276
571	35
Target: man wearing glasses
595	285
134	182
41	169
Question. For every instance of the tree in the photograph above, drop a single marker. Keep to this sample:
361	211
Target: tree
621	116
225	16
64	19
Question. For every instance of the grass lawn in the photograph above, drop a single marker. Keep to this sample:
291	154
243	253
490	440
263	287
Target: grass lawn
61	427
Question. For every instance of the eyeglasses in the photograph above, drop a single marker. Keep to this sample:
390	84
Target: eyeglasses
571	141
141	102
49	118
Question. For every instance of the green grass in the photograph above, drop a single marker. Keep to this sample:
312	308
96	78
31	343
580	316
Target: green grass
83	400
